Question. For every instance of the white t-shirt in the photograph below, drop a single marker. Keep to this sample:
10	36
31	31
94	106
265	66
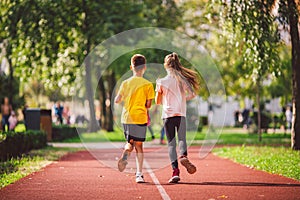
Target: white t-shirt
173	99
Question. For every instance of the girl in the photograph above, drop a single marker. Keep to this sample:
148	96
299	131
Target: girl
172	92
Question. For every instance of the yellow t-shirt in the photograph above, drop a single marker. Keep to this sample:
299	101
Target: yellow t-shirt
135	91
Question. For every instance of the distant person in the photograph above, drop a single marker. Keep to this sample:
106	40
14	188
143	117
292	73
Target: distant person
67	114
172	92
58	111
246	118
13	121
6	109
137	93
24	115
162	136
289	117
149	126
236	117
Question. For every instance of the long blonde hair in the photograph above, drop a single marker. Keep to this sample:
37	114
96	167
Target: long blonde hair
182	74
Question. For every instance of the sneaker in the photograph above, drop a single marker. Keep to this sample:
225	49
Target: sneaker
175	177
162	142
188	165
139	179
123	161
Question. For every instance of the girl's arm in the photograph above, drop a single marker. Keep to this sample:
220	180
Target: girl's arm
118	98
158	98
148	103
190	94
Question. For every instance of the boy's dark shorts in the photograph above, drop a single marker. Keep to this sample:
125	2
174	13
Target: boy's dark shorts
135	132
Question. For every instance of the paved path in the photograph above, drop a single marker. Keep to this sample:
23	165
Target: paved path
81	176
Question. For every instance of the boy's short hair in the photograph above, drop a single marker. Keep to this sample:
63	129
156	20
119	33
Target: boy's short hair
138	61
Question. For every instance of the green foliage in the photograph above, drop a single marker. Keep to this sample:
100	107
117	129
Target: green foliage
275	160
15	144
228	137
258	37
60	133
281	86
5	91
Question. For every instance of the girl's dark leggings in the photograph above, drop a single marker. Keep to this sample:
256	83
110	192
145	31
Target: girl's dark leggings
171	126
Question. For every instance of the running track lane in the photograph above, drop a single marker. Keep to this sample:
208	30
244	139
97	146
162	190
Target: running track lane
81	176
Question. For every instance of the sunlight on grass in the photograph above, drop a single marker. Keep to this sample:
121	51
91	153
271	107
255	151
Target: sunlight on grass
275	160
16	168
236	137
20	128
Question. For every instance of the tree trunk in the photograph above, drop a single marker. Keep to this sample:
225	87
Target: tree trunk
258	111
102	98
109	105
11	74
93	126
294	32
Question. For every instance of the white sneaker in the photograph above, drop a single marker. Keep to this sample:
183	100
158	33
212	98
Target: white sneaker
139	179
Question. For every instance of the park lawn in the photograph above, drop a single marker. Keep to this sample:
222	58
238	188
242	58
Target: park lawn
225	138
275	160
17	168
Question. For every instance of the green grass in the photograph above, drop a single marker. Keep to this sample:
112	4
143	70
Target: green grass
275	160
20	128
16	168
227	137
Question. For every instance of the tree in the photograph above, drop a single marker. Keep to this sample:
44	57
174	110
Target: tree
254	21
38	46
293	18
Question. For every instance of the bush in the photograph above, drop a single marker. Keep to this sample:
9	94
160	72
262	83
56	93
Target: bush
60	133
14	144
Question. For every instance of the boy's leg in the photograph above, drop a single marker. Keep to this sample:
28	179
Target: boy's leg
139	161
139	156
127	149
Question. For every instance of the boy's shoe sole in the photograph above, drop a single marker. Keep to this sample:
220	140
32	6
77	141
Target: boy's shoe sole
123	161
122	164
188	165
174	179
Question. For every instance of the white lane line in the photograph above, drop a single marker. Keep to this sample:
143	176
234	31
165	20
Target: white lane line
160	188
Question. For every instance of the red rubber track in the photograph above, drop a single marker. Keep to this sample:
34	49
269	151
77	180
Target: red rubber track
81	176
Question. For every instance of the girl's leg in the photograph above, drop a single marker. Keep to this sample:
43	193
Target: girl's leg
139	156
169	127
181	131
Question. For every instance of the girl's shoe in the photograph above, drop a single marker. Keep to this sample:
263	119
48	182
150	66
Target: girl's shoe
188	165
162	142
175	177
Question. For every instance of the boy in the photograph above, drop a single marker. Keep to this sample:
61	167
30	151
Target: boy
137	94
